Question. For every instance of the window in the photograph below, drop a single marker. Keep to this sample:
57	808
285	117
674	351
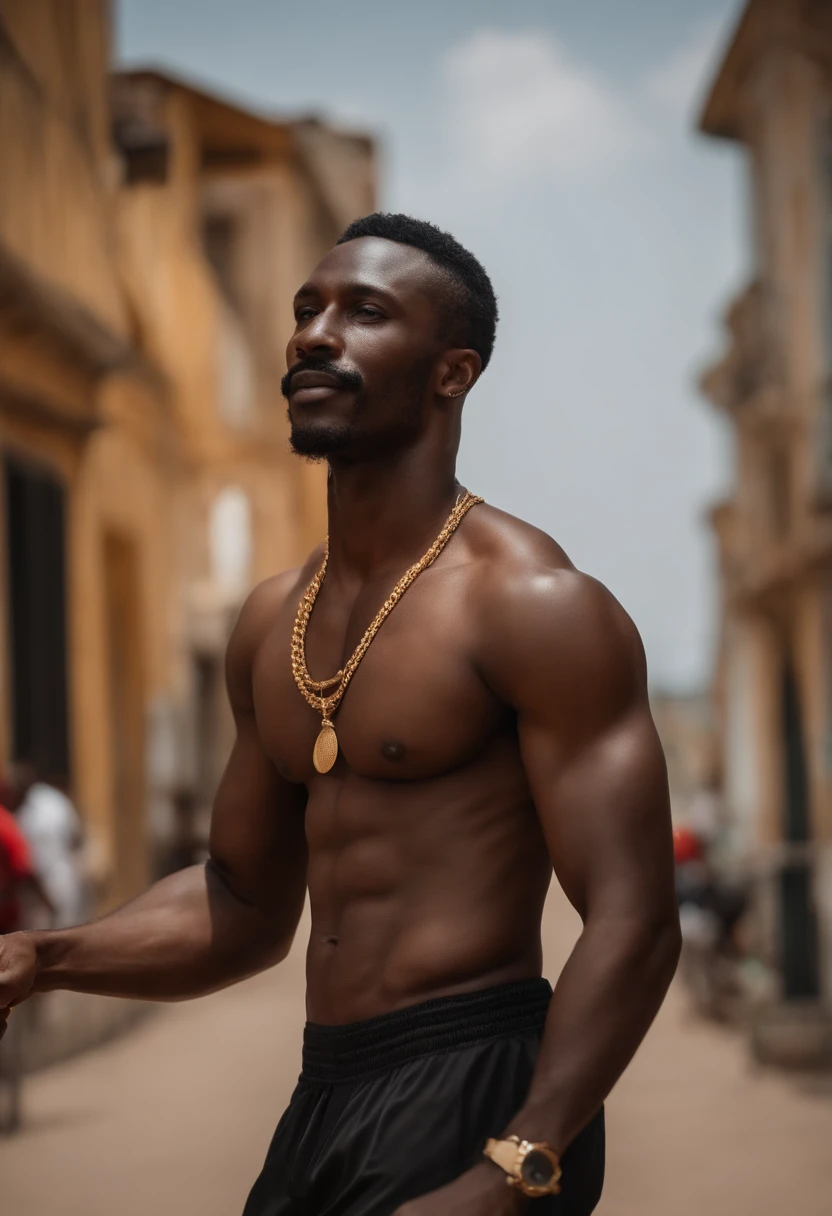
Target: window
230	540
139	131
235	373
220	240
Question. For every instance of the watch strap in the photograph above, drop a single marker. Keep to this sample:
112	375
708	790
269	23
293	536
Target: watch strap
505	1153
510	1154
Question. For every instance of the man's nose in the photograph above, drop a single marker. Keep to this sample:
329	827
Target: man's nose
320	336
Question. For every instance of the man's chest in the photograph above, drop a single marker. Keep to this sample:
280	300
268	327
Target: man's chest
415	706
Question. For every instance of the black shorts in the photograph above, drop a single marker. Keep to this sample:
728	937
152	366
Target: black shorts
393	1107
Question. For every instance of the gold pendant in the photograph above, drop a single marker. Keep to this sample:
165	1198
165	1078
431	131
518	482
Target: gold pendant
326	747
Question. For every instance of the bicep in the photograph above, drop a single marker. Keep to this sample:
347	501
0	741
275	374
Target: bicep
604	811
572	665
257	837
258	841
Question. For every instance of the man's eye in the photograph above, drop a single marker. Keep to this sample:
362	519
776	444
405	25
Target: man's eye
366	310
304	314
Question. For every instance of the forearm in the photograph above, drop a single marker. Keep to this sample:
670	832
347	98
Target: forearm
606	997
608	994
186	936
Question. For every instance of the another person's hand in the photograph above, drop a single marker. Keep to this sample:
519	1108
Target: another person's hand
482	1191
18	968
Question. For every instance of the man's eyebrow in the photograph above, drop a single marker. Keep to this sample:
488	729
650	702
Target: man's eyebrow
369	289
310	291
307	290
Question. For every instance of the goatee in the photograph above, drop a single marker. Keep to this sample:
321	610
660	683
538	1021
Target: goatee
316	441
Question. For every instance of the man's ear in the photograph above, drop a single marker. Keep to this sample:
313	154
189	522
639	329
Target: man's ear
458	372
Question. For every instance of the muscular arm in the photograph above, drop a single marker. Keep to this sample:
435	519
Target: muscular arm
571	663
207	926
558	648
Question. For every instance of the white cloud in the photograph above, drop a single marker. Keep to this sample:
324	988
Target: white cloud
522	106
680	82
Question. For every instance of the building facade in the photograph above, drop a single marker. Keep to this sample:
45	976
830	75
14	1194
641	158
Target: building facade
773	95
219	217
151	238
686	729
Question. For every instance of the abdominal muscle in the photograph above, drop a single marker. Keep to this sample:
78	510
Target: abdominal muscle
419	890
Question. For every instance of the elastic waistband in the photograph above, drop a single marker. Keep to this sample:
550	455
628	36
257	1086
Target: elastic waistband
333	1054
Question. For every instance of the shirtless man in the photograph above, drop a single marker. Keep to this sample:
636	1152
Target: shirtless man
497	727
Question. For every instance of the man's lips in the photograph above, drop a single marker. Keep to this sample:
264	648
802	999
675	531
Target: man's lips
312	379
308	387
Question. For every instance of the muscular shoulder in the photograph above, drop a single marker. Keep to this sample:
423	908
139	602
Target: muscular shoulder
503	545
547	633
264	607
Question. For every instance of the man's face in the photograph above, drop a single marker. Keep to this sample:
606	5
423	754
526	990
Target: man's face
364	350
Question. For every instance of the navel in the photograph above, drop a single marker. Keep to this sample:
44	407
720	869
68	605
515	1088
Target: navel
392	751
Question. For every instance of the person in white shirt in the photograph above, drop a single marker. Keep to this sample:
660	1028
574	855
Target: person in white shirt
51	824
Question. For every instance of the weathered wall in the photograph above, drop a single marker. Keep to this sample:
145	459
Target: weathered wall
58	168
773	93
127	369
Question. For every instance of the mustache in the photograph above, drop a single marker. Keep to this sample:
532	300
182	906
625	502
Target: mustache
345	378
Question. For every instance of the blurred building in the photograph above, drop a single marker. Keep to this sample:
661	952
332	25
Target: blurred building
151	238
685	722
773	95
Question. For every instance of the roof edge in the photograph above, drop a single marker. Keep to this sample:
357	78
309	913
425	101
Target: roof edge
718	116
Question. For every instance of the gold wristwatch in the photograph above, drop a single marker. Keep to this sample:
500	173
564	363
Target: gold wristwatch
533	1168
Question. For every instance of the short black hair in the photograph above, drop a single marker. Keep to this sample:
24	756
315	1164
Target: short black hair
469	307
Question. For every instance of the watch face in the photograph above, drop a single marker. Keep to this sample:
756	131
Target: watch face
537	1169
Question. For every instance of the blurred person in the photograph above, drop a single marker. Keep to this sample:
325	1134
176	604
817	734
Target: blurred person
690	860
18	879
711	907
693	895
703	815
497	726
727	892
18	876
52	826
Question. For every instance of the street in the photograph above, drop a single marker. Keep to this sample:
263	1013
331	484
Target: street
176	1117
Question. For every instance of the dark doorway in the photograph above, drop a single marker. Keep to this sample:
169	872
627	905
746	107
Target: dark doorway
798	924
36	554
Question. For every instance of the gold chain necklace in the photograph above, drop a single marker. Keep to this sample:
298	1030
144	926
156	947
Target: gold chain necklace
325	752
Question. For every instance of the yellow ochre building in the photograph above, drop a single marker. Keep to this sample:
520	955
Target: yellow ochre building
151	238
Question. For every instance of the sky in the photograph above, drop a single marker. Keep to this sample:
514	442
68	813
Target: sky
557	140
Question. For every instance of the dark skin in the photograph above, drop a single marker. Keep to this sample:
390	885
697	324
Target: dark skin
498	728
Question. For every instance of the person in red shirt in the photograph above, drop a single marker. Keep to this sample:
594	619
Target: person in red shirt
17	872
17	875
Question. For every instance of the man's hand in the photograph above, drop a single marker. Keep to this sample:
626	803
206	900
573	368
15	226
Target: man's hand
483	1191
18	968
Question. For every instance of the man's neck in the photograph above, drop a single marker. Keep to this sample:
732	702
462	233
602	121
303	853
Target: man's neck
386	512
